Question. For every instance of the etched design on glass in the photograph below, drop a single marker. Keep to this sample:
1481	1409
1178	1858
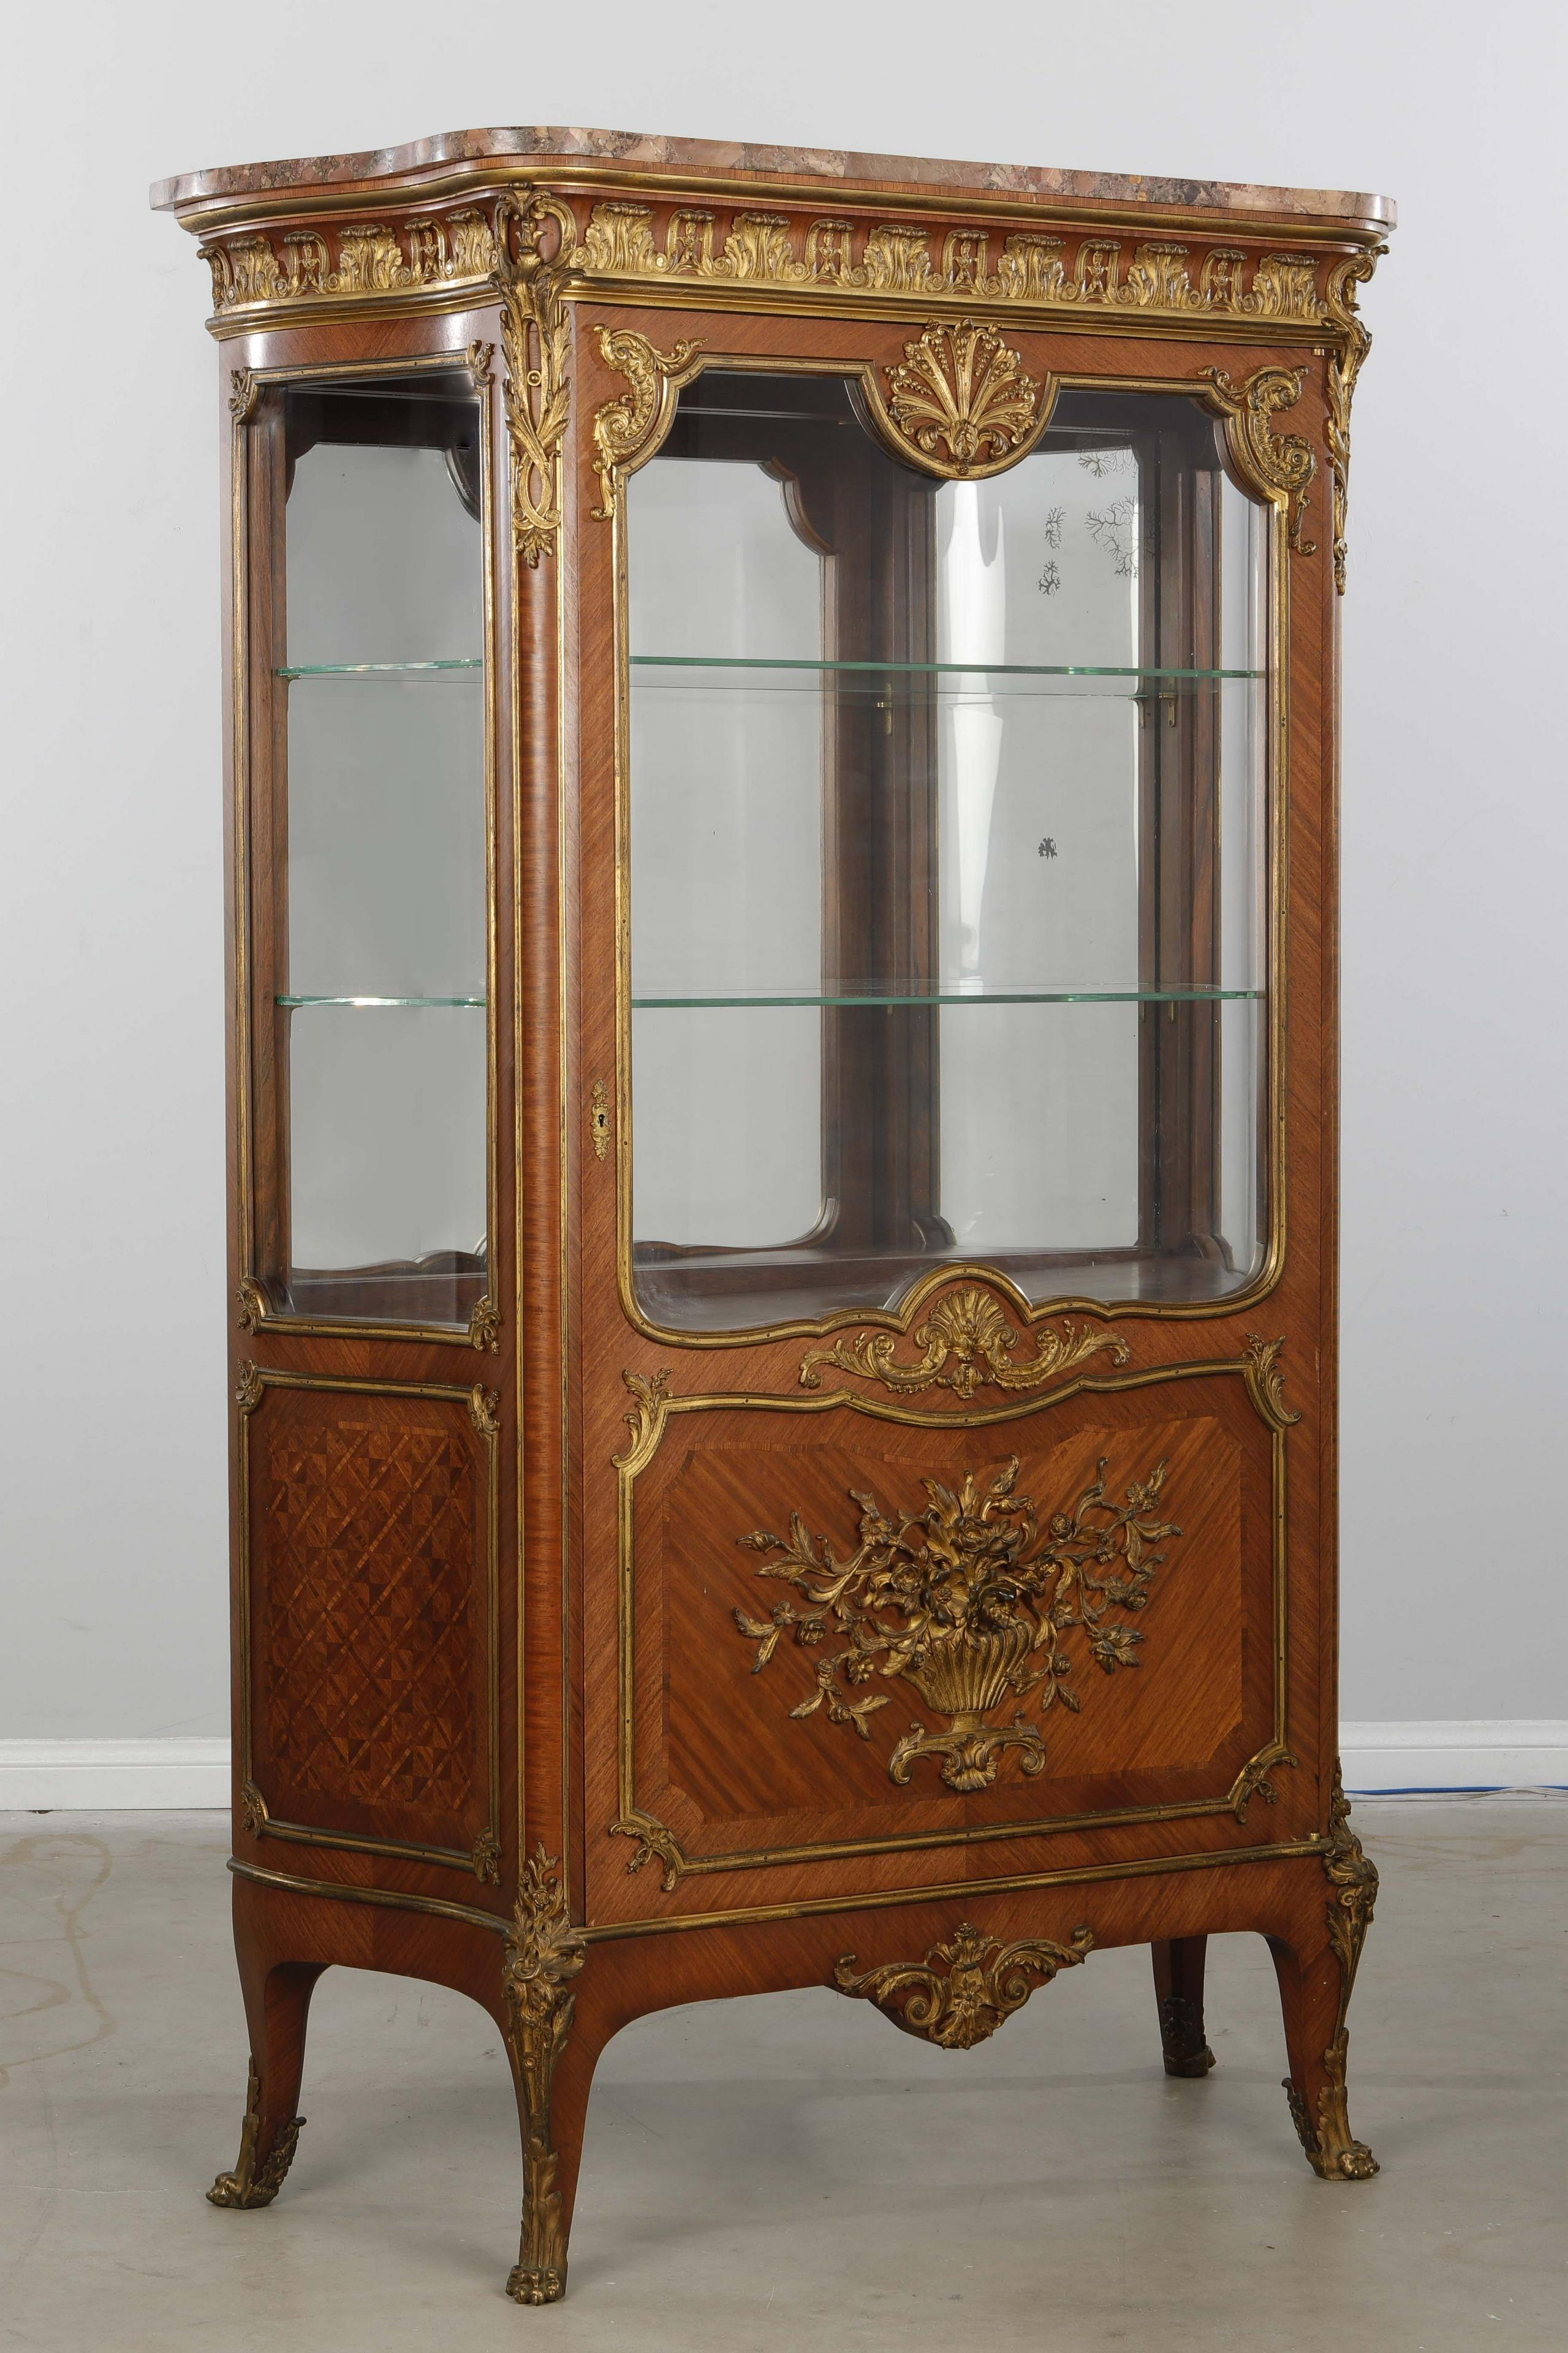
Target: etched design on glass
1116	530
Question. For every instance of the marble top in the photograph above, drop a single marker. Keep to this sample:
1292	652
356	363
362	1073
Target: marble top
647	150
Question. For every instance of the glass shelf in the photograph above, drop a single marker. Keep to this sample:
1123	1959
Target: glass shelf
293	1004
951	683
893	669
869	996
467	666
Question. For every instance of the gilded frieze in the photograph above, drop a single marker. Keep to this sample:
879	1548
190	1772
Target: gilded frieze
1034	269
343	263
795	251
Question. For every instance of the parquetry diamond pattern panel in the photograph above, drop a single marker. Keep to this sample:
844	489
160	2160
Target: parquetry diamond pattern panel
369	1629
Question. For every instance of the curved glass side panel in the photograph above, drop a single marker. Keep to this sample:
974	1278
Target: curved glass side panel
371	927
948	870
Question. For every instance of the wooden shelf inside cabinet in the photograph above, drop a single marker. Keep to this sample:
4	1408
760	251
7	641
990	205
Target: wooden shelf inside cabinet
781	919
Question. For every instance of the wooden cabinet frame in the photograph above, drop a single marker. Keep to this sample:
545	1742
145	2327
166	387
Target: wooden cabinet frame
592	1469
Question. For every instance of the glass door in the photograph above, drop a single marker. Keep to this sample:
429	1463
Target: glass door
949	937
368	850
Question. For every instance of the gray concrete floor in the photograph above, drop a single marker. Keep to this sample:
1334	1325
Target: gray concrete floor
788	2171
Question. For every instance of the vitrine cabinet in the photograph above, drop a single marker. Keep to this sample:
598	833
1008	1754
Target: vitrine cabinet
781	797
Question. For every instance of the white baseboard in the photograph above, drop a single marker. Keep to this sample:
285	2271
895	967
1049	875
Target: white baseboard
112	1777
1516	1753
155	1775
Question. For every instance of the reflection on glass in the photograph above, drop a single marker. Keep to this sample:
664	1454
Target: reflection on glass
376	1208
948	860
732	877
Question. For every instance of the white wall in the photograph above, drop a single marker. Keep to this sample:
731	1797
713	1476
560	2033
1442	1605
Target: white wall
1456	828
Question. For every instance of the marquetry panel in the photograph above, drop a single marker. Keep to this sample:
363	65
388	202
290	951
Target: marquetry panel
1080	1602
368	1518
756	1757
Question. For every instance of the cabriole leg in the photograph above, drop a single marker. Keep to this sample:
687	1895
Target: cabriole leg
1316	1966
277	2002
1179	1990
